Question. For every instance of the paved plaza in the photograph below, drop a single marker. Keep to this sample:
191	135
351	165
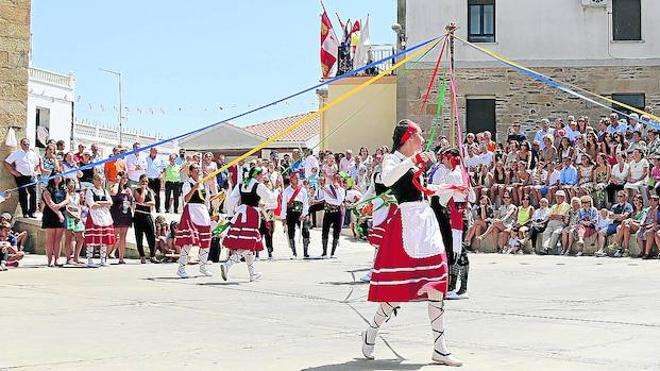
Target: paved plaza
525	312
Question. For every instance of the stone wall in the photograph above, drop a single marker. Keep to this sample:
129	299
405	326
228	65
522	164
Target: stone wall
14	61
520	98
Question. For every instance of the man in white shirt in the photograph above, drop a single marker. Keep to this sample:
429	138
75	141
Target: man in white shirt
333	195
543	131
295	208
23	164
136	165
154	171
311	162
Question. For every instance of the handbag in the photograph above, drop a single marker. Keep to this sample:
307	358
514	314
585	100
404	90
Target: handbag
73	225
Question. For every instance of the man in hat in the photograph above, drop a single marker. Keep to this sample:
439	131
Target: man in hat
556	222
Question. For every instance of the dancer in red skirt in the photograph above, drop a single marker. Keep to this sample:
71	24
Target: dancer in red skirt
194	229
243	238
99	229
411	263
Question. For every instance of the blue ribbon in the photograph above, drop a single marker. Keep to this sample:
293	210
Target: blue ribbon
127	153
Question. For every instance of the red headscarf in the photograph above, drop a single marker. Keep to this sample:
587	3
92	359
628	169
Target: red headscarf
412	129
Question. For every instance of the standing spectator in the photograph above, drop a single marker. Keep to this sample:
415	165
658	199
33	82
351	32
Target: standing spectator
112	168
99	229
96	156
172	176
74	225
516	134
49	163
60	147
209	167
143	222
77	157
616	126
222	178
136	166
67	166
347	162
181	160
23	164
54	197
154	173
311	162
88	173
121	212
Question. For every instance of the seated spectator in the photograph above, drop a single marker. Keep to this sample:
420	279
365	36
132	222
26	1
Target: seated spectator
587	220
636	143
539	222
618	176
618	213
9	253
638	176
558	212
20	236
602	225
585	176
571	223
568	178
516	134
500	180
483	181
601	177
653	146
647	229
628	227
520	228
482	215
548	152
501	225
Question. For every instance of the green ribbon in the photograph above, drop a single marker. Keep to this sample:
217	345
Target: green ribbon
438	113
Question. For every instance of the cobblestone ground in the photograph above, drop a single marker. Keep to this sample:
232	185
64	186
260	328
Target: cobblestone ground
525	312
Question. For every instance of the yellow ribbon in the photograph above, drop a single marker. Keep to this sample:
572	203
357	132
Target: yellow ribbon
312	115
497	56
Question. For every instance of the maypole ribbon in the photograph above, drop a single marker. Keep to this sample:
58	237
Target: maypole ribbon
655	123
438	112
433	75
309	117
259	108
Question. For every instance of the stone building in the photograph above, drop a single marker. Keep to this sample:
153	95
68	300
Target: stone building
609	47
14	61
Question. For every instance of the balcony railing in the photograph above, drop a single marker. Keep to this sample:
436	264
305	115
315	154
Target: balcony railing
378	52
50	77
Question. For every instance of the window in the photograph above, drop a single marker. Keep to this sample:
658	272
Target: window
637	100
481	20
480	115
626	20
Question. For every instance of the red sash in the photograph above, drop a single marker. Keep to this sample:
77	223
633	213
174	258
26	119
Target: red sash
293	197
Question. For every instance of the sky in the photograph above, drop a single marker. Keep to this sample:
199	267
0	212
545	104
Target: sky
189	58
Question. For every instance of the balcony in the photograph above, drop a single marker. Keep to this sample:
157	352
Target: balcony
53	78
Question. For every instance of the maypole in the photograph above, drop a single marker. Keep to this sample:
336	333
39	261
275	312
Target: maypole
451	28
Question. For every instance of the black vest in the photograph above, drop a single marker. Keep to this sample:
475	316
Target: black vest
404	190
250	198
198	197
380	188
97	198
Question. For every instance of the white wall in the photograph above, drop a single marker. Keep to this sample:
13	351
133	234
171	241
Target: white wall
58	100
539	32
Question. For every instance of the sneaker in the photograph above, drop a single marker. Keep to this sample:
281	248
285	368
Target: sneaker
600	254
104	263
618	253
647	257
181	272
367	349
3	267
203	269
579	253
448	360
451	295
90	264
255	277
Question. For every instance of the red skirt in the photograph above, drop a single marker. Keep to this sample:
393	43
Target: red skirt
376	233
99	235
245	235
189	233
398	277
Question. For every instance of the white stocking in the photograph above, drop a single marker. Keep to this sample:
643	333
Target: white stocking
249	260
183	258
90	252
436	316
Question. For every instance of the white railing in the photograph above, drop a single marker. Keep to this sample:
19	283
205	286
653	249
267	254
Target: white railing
380	51
109	136
50	77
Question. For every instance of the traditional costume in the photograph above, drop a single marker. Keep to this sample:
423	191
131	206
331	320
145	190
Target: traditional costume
243	238
411	263
194	229
295	208
333	196
450	212
99	226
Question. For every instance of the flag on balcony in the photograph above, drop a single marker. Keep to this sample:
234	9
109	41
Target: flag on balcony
362	50
329	45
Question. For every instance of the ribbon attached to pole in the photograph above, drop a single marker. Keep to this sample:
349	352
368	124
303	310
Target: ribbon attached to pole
312	115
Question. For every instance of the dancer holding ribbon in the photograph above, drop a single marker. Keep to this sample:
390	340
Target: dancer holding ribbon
243	238
194	229
411	263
